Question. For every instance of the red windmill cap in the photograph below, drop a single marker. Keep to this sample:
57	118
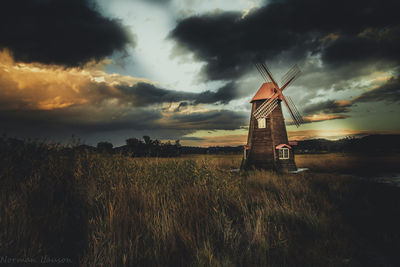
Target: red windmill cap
266	91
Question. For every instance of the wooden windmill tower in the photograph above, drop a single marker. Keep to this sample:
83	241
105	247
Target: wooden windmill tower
267	143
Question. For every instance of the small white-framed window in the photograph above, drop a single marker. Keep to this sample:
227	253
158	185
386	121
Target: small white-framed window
261	123
284	153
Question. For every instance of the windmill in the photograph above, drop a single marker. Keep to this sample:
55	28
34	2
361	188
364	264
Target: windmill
267	143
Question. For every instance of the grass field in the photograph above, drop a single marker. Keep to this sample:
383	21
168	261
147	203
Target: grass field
92	209
340	163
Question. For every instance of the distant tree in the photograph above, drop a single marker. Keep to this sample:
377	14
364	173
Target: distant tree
156	148
177	147
105	147
147	140
135	147
132	142
148	143
152	148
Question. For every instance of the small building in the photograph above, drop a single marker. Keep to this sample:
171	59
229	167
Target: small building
267	144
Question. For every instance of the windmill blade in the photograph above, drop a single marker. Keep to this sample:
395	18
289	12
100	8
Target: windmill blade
264	108
263	74
267	110
290	76
265	103
290	73
295	120
296	111
260	70
293	113
269	74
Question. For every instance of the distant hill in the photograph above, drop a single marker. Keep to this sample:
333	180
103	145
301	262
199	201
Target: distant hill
366	144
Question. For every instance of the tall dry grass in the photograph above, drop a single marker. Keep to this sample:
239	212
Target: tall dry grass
358	164
104	210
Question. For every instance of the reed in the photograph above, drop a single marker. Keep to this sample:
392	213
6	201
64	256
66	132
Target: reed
112	210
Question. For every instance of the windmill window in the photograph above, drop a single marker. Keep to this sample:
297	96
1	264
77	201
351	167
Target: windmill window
283	153
261	123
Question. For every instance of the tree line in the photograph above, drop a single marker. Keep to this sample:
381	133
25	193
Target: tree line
146	147
143	148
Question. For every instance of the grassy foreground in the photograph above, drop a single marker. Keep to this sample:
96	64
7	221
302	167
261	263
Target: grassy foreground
93	209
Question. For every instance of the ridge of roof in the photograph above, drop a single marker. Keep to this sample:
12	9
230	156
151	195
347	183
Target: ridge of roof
282	145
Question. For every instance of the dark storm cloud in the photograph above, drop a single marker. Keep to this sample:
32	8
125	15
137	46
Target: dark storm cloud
373	44
212	120
341	31
328	107
58	102
63	123
64	32
389	92
223	95
143	94
74	121
182	105
85	123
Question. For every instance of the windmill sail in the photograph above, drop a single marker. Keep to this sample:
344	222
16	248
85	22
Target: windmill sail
271	102
291	112
269	74
267	110
265	103
290	76
262	73
296	111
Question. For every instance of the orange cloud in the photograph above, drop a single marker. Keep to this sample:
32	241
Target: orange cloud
319	118
330	37
343	103
57	102
323	117
37	86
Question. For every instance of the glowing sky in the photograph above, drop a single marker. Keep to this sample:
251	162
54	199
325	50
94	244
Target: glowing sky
110	70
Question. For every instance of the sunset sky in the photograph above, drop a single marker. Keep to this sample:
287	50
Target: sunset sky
105	70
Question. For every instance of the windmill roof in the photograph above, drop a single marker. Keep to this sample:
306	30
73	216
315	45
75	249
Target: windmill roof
265	91
282	145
